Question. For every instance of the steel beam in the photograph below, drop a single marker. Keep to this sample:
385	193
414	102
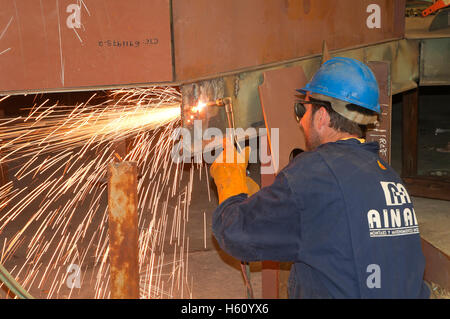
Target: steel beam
381	133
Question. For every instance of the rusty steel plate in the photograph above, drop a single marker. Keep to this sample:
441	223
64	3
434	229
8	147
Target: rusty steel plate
57	44
278	95
213	37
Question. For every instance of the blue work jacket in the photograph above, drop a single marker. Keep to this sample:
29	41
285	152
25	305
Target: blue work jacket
344	218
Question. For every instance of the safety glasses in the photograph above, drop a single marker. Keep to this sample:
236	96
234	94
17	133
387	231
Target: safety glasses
300	108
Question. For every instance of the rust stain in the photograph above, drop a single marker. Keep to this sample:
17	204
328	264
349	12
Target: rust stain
306	6
123	230
294	9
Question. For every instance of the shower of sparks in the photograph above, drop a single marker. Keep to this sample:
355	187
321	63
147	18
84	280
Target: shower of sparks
61	155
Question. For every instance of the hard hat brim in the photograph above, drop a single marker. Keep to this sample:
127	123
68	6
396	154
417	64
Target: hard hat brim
340	107
306	89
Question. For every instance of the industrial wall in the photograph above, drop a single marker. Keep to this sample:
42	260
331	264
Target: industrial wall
54	45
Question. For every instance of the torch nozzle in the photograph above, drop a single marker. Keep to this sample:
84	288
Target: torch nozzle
226	101
220	102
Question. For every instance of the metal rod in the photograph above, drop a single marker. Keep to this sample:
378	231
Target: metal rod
13	285
230	118
123	230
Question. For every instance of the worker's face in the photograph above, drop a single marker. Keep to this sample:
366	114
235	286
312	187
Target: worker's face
308	125
312	138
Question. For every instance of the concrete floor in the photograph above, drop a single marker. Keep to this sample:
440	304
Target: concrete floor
434	222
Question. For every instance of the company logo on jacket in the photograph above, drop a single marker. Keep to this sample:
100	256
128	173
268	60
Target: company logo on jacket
394	220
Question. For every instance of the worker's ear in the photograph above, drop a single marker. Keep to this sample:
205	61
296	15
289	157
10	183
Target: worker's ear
321	119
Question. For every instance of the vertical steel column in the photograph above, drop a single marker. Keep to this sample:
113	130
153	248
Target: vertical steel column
270	269
381	132
277	98
123	230
410	132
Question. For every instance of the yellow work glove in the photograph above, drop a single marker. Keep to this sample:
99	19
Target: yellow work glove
252	186
229	172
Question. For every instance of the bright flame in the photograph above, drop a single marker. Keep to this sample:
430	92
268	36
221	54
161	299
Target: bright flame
200	106
142	117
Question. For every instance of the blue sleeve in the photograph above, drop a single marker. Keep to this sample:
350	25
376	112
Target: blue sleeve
265	226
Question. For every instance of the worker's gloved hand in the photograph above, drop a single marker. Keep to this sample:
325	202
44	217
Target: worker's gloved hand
252	186
229	172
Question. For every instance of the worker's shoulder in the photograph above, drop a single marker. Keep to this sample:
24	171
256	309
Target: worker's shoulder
305	158
350	146
308	172
305	163
349	153
331	156
331	150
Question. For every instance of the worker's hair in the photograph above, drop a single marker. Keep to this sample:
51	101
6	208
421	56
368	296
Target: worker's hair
340	123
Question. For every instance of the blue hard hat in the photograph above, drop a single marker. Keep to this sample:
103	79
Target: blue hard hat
346	79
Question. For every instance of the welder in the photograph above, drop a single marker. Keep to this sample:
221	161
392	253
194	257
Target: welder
337	211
